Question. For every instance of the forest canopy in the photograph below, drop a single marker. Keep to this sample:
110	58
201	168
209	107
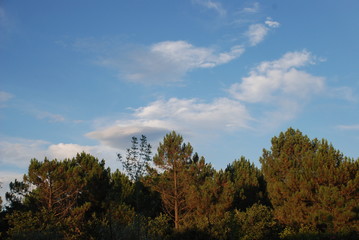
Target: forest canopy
305	189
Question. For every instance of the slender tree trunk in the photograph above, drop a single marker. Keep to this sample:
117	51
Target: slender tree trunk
175	198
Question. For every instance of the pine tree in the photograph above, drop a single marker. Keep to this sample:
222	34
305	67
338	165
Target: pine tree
311	185
171	160
66	198
137	158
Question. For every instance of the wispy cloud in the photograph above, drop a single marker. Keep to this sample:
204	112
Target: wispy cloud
213	5
51	117
4	97
7	25
343	92
257	32
254	8
354	127
3	18
168	61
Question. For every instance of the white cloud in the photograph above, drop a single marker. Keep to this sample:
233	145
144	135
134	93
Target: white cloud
213	5
169	61
69	150
281	86
221	114
279	78
189	116
273	24
257	32
18	151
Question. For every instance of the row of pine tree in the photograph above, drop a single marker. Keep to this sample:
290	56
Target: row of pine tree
305	189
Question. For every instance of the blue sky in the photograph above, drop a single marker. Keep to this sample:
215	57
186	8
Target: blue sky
227	75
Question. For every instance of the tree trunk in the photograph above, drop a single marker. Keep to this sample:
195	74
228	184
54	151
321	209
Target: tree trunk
175	198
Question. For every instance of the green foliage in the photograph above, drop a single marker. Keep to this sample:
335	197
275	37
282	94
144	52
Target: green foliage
256	222
209	196
311	184
305	190
66	193
159	228
291	235
122	189
34	225
248	182
191	234
18	191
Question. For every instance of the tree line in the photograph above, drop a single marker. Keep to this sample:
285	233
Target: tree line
305	189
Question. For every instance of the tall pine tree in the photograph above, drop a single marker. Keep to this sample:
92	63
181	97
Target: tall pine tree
169	175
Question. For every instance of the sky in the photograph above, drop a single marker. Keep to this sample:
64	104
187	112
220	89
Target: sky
228	76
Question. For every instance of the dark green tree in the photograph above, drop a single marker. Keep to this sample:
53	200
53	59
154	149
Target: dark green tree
248	182
257	222
17	194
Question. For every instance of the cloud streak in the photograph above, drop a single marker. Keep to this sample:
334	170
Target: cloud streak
4	98
169	61
213	5
253	9
354	127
